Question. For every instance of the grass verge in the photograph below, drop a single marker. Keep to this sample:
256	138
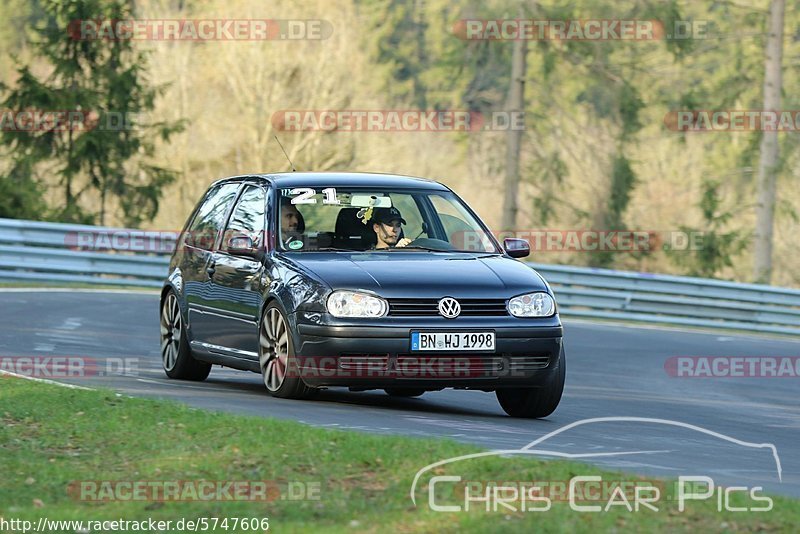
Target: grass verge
54	439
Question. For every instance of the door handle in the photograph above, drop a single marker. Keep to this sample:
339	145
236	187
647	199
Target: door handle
211	269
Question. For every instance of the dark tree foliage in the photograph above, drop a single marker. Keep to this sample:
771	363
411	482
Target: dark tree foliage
717	248
101	160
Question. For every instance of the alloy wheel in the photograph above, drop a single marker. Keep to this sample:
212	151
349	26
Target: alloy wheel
171	330
274	345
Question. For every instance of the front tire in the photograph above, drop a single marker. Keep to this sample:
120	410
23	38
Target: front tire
176	356
533	403
276	357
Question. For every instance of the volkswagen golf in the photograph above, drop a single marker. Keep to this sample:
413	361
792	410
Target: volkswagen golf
363	281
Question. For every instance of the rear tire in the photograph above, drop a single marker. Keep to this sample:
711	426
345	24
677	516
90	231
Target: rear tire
533	403
176	356
276	357
404	392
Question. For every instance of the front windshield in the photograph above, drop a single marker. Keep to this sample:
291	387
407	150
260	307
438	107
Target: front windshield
376	219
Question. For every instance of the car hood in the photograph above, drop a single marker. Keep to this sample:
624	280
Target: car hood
422	274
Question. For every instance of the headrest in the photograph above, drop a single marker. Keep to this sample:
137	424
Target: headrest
350	231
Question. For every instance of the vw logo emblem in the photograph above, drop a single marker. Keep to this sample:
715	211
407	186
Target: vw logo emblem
449	308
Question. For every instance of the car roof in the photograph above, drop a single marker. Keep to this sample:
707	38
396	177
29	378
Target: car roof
340	179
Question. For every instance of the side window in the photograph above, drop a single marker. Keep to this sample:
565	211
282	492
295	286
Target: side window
247	218
207	224
408	208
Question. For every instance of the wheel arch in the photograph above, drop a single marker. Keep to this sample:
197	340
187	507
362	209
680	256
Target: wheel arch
174	283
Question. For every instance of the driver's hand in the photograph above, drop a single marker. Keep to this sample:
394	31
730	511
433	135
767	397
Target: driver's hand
403	242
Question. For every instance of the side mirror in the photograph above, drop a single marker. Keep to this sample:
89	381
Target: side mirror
243	246
516	248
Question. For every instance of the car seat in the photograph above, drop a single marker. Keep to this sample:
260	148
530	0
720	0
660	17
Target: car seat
350	232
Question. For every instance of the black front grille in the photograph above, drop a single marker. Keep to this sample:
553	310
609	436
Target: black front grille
430	307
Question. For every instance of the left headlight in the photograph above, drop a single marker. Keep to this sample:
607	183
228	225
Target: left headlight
355	304
532	305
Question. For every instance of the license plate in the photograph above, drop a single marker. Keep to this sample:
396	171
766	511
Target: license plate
445	341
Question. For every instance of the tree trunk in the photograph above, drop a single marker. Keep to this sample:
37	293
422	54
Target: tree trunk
103	203
516	104
768	163
418	14
68	199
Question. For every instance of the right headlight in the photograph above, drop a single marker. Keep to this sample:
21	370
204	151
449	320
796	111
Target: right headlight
356	304
532	305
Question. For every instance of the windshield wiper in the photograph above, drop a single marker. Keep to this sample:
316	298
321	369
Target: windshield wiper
412	247
331	249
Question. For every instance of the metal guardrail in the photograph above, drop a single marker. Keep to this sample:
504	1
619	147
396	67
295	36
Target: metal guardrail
38	252
34	251
679	300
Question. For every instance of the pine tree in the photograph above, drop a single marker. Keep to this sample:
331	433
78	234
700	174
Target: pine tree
718	247
103	159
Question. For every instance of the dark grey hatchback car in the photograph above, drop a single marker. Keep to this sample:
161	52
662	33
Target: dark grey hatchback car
365	281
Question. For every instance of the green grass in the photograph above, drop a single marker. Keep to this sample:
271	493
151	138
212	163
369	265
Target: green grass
51	437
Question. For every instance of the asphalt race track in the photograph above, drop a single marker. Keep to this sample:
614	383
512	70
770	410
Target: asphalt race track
612	371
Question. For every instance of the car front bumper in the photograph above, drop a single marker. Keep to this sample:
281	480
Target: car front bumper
368	354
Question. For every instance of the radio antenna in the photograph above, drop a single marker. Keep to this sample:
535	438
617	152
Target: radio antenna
285	154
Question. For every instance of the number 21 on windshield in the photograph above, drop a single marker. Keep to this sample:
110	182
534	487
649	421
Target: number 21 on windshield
305	195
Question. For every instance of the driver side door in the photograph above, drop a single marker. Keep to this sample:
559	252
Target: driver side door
235	288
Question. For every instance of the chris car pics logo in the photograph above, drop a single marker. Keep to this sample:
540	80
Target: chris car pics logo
457	492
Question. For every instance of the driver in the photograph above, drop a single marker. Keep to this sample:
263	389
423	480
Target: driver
290	221
386	225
